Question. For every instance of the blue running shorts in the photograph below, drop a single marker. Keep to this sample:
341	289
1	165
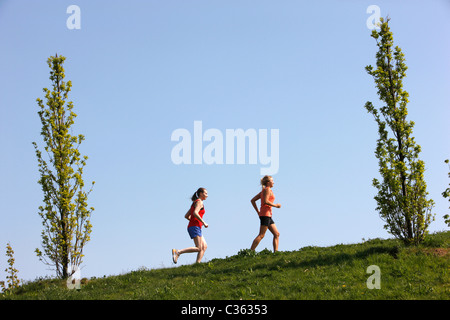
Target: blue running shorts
195	232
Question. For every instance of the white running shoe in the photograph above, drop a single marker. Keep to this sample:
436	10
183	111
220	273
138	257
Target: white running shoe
174	255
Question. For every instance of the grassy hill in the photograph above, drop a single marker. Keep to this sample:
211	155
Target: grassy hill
336	272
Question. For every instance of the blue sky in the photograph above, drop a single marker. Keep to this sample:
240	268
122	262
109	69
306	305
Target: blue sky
143	69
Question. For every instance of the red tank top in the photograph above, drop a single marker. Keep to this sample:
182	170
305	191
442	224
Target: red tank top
194	222
266	210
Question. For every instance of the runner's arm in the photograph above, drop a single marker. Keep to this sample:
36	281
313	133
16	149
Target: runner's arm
265	199
188	215
197	207
253	201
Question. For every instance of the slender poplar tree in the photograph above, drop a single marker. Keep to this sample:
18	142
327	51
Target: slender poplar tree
12	278
402	196
65	213
446	194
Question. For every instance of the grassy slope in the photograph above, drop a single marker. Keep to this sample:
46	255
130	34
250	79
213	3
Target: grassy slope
337	272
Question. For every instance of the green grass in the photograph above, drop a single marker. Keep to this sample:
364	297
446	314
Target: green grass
336	272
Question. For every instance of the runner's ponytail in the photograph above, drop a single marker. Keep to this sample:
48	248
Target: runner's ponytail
196	195
265	180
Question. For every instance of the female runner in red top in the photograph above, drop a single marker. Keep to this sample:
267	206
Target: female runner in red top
195	217
265	213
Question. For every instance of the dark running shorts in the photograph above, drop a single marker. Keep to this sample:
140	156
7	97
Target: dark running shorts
266	221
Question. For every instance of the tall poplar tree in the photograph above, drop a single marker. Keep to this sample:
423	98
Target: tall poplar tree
402	197
65	213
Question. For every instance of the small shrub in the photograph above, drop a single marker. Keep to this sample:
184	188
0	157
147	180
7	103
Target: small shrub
12	279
